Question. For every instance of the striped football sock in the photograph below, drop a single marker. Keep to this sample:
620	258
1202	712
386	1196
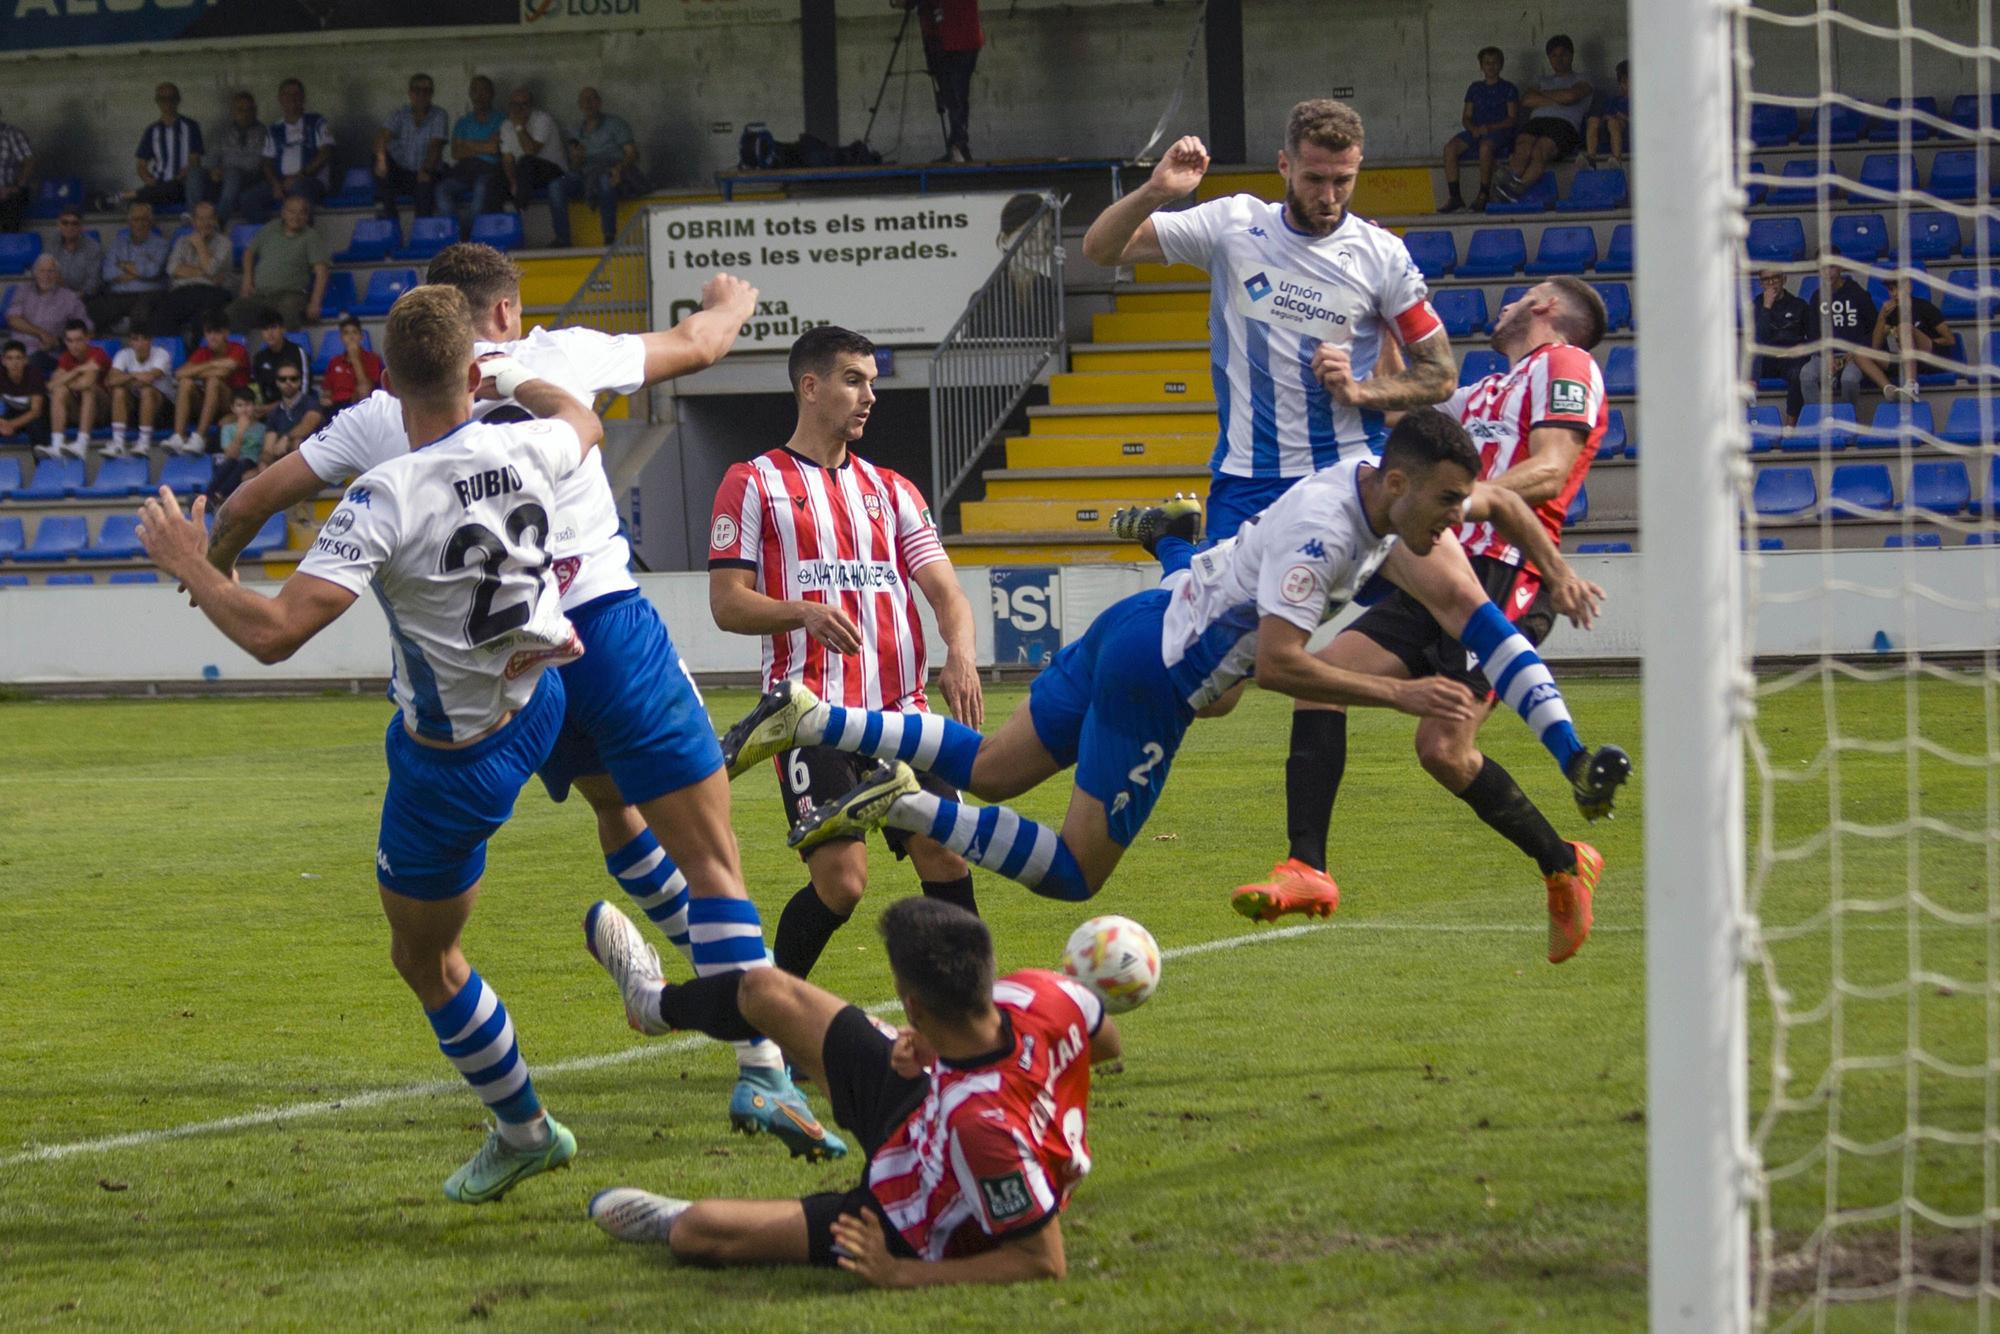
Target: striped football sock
728	937
923	740
655	886
1518	676
476	1036
997	839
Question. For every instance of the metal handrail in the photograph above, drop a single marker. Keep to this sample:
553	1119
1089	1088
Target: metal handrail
984	367
616	296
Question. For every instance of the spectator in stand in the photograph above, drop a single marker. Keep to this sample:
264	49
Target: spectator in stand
297	148
78	255
242	448
274	353
353	375
475	157
409	151
531	154
39	310
605	159
199	267
168	158
135	274
17	176
24	395
1783	320
146	371
284	269
239	156
1492	109
76	391
296	415
1613	118
1554	130
1909	330
219	365
952	39
1846	314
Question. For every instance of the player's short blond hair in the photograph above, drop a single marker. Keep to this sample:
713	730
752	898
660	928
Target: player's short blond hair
428	342
1325	123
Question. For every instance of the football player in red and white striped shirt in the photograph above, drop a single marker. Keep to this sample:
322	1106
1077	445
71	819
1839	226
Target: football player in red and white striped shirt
1537	426
816	549
973	1117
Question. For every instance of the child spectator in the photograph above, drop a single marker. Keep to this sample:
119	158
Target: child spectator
1554	131
1613	118
1492	107
353	375
1925	334
141	368
168	159
242	448
24	395
219	365
76	389
274	353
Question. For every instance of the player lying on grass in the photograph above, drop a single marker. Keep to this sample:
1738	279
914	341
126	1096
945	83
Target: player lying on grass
451	537
1116	703
972	1117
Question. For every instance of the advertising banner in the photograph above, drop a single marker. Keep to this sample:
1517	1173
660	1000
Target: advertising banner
29	26
1027	615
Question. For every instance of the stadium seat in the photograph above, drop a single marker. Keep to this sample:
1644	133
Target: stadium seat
1617	304
1940	486
53	480
1915	540
271	537
1889	129
1494	252
1965	111
186	474
1933	235
108	346
175	349
117	539
1937	376
1621	371
1479	364
1604	548
13	581
1862	237
1570	250
57	537
1773	127
18	251
11	540
357	190
68	580
1784	491
54	194
329	348
427	237
1971	540
1579	506
1436	253
240	236
1890	173
384	286
1861	488
1955	174
1963	424
1991	504
301	340
341	297
1776	241
1537	198
117	477
1821	426
502	231
1896	422
1511	293
1797	196
1770	544
1767	427
10	477
1962	300
1463	310
1596	191
1756	184
372	240
133	577
1618	255
1834	124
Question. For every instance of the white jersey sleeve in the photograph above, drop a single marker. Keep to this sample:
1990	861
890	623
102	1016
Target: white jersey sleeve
1189	235
1303	561
357	439
1403	298
358	538
607	363
551	443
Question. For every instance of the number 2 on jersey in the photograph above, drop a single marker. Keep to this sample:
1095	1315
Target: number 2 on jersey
477	542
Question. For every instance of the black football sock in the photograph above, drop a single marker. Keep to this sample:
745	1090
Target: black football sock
956	892
803	930
1497	799
707	1005
1312	780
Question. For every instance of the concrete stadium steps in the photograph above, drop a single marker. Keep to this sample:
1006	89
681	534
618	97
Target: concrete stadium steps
1168	273
1042	549
1151	298
1128	485
1189	356
1149	326
1108	451
1042	515
1135	423
1134	389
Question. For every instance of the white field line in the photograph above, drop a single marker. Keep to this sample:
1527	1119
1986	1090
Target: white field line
265	1116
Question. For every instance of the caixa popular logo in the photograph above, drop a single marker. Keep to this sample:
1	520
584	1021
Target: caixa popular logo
1258	286
535	10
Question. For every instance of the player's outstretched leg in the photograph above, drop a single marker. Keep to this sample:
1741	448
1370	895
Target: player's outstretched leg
1570	892
631	1214
791	715
1168	531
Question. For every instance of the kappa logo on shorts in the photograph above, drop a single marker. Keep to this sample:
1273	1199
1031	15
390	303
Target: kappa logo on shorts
382	862
1300	585
723	535
1006	1197
1568	396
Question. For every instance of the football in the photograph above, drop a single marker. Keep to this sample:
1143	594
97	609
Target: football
1116	958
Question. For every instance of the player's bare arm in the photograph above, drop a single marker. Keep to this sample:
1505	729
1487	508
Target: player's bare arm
958	678
1285	665
1552	452
737	606
269	629
283	484
1572	596
1124	233
862	1249
705	337
1429	376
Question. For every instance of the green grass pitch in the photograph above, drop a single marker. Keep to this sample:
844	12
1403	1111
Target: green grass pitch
1403	1120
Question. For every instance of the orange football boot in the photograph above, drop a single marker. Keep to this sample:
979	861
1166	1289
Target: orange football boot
1294	887
1569	902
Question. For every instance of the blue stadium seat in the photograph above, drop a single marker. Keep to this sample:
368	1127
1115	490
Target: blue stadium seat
1933	235
1776	241
1889	129
186	474
1772	127
68	580
11	540
10	477
271	537
372	240
1618	255
1767	427
1861	488
427	237
1479	364
54	194
1537	198
108	346
1862	237
329	348
1821	426
1511	293
1962	425
1982	539
1579	506
1896	422
117	477
1617	304
1940	486
1595	191
117	539
1957	296
1621	371
175	349
133	577
57	537
1604	548
1494	252
1770	544
301	340
53	480
1564	250
1784	491
1798	196
1926	539
13	581
1834	124
1890	173
1756	184
1955	174
240	236
357	190
18	251
502	231
340	298
1436	253
1463	310
1965	111
1956	357
384	286
1613	443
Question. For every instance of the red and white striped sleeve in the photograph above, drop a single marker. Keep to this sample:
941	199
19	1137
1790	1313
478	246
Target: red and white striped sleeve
917	543
1404	298
1567	389
1001	1175
736	529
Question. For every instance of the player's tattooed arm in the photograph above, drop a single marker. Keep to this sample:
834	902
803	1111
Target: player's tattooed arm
1429	375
